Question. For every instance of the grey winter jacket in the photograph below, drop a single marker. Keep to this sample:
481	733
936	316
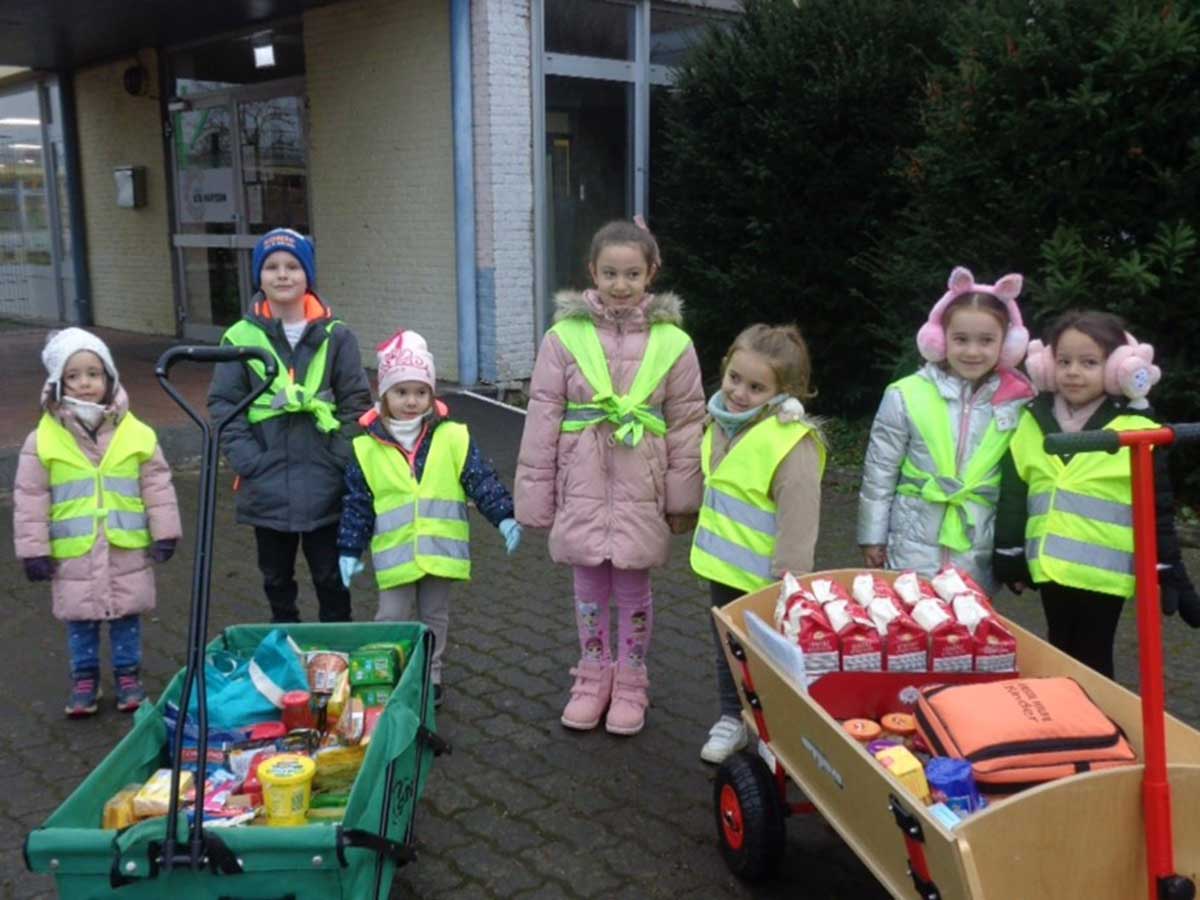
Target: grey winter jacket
909	526
292	475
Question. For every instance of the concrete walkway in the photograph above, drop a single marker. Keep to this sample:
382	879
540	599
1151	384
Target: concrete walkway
522	808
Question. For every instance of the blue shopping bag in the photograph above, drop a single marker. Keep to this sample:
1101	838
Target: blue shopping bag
244	691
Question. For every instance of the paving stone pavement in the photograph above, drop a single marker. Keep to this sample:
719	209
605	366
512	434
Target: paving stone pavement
522	807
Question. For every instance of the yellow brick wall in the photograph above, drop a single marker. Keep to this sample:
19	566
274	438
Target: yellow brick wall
129	257
381	169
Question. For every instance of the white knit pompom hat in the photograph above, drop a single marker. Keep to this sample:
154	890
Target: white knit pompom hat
60	347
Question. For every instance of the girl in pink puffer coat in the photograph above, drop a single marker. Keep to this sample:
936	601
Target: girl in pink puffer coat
610	462
93	508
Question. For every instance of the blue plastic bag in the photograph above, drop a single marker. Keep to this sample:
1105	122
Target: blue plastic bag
244	691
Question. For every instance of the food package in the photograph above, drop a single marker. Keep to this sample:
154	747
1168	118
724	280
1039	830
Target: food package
323	668
118	811
994	647
804	622
378	663
826	590
337	699
901	762
911	589
371	717
154	797
337	766
350	725
862	649
905	643
373	694
951	648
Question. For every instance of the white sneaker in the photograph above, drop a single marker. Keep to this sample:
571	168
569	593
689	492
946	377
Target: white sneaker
725	738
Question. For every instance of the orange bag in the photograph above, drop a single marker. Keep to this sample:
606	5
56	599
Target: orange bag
1020	732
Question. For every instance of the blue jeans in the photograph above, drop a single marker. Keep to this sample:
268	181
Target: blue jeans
83	643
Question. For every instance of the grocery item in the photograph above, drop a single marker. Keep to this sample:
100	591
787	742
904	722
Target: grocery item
902	725
905	645
862	649
1020	732
945	815
337	766
336	701
370	721
882	742
994	649
804	622
350	725
951	782
950	644
907	768
862	730
373	694
118	811
287	786
323	669
297	711
154	797
375	664
268	731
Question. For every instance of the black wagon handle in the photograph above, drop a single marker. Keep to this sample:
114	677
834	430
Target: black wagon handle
1108	441
194	855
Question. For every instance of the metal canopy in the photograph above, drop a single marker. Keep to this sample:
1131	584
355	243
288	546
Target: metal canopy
67	34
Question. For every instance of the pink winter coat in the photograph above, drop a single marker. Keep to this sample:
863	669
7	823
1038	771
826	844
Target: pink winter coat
604	501
108	582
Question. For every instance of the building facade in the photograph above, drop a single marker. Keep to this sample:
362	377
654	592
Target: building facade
450	158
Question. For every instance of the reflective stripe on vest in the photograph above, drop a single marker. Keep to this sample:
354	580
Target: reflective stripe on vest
285	396
629	413
979	482
81	494
734	543
421	528
1079	530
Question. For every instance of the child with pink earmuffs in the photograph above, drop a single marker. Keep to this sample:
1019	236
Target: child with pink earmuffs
1065	522
931	476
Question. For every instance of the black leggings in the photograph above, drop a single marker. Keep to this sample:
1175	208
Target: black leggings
1082	624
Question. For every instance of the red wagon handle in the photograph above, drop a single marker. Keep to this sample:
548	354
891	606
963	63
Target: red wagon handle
1164	882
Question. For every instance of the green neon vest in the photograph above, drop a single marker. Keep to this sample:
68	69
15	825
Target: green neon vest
285	396
421	527
979	481
629	412
734	543
82	494
1080	527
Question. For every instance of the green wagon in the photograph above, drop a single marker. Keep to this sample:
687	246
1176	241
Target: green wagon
355	859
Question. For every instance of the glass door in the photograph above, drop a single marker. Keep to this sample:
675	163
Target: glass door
240	169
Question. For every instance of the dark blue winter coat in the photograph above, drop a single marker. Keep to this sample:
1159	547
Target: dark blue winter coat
479	480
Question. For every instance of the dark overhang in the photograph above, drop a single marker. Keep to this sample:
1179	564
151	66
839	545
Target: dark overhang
68	34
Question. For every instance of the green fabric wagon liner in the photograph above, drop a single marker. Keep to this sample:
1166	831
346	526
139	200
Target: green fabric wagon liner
302	862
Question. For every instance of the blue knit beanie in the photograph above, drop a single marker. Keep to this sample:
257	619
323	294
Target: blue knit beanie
289	241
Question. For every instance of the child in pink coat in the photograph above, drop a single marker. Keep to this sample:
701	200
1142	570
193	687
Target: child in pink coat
610	462
93	509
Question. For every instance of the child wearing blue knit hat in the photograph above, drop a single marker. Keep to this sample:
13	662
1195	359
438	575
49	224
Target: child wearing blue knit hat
290	448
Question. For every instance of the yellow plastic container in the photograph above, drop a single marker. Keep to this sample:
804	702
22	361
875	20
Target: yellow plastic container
286	781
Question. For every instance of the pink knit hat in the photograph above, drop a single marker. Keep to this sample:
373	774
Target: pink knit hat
404	357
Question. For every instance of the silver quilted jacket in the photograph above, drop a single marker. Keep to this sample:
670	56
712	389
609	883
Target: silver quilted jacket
909	526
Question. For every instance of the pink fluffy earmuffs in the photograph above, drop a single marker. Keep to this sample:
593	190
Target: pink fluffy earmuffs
931	339
1129	370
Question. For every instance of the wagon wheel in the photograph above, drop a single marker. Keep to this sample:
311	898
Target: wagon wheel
750	814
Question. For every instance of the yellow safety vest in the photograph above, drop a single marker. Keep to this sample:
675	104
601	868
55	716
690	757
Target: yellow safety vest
734	543
285	396
979	480
1080	527
421	527
82	493
629	412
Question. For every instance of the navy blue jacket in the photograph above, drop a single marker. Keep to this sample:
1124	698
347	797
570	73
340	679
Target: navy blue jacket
479	480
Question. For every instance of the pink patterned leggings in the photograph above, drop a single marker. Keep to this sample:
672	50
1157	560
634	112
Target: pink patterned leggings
594	586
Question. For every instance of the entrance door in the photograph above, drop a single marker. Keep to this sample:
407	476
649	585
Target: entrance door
240	169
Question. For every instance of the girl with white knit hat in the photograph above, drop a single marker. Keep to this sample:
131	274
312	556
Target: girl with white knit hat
93	509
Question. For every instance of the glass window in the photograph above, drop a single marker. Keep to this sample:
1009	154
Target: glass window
673	33
274	172
27	283
587	170
204	170
590	28
232	61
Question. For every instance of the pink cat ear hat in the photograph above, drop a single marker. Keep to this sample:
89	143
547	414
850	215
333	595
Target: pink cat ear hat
931	339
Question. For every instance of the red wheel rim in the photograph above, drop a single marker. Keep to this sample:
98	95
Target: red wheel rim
732	825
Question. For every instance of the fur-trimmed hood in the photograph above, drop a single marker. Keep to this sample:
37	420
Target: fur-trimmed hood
654	308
